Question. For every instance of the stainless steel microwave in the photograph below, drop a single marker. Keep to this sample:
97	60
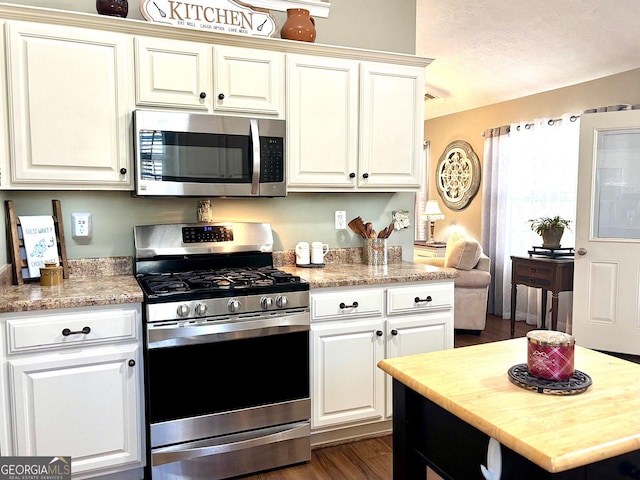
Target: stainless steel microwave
203	155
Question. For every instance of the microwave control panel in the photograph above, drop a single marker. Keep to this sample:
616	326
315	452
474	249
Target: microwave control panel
271	159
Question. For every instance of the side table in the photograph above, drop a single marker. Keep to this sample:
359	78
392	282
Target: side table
428	250
554	274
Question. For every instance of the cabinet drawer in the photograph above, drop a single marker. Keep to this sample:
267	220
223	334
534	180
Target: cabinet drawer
533	274
419	298
351	303
30	332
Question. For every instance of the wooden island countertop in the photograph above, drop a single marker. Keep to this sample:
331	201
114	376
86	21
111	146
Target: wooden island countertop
556	432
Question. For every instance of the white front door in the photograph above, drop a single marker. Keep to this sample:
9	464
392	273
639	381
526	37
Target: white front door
606	301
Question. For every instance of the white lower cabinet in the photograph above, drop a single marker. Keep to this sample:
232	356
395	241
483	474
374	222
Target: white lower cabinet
352	329
72	383
347	385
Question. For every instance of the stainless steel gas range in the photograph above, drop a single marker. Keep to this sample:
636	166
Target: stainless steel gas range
227	352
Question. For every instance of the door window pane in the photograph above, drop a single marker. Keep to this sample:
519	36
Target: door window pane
617	184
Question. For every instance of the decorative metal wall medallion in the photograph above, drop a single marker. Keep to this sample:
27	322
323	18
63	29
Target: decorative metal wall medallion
458	175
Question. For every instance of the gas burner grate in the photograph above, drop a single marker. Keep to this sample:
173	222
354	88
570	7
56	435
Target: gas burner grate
223	279
159	284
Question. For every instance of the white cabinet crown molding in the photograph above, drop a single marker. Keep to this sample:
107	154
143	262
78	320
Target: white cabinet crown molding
140	27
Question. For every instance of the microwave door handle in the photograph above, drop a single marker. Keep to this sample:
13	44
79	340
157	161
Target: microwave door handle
255	140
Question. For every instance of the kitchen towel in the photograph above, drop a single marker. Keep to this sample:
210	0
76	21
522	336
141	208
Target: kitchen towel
39	236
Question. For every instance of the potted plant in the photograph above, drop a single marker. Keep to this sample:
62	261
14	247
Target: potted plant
550	229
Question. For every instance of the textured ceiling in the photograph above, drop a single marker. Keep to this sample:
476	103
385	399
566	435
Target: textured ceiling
487	52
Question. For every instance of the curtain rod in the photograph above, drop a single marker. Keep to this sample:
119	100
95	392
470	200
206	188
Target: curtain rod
503	129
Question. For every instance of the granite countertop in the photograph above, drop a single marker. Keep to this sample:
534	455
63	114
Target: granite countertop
91	282
111	281
74	292
354	274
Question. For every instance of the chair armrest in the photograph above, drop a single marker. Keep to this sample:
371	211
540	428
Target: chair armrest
484	263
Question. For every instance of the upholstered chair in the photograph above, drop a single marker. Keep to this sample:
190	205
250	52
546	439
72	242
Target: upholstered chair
471	286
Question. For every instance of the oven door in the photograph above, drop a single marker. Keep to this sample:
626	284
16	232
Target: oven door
211	378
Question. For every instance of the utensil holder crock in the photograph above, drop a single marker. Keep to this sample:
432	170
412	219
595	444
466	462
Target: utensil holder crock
375	251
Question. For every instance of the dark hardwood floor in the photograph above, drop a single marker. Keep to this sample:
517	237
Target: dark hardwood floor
371	458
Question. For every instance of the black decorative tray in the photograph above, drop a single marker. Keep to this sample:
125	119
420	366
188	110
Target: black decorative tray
310	265
551	252
578	383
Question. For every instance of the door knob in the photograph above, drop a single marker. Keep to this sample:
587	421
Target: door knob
582	251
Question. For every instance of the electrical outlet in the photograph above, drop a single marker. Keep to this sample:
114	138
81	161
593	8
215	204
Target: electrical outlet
341	220
81	225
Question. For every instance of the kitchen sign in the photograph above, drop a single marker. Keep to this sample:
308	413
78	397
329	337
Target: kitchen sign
221	16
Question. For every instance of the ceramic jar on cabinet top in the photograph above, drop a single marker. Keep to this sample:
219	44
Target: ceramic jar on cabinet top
299	26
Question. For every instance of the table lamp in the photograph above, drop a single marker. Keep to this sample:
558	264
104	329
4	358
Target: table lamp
431	214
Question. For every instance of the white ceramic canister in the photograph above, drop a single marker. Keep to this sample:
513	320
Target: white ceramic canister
302	253
318	251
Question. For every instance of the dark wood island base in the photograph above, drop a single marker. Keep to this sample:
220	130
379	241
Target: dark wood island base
426	435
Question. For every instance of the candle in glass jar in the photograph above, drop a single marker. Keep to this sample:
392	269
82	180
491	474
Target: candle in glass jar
550	354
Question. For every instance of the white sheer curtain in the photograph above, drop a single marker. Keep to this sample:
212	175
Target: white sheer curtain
421	198
529	172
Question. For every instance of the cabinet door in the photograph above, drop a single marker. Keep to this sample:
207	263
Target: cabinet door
411	335
391	127
171	73
322	123
347	385
4	126
84	403
69	107
248	80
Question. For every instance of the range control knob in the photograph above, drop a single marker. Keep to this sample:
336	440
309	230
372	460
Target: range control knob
201	309
282	301
183	310
233	305
266	303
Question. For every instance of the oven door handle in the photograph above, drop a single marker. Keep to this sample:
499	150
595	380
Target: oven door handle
161	336
228	443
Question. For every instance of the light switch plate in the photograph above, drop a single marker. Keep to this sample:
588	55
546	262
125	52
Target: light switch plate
81	225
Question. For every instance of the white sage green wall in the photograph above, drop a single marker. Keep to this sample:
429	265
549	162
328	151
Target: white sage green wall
369	24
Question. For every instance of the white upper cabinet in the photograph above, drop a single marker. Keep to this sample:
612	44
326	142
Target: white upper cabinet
248	80
4	126
353	125
172	73
391	126
199	76
322	122
68	107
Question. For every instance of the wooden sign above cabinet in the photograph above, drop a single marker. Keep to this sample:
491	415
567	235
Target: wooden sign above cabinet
220	16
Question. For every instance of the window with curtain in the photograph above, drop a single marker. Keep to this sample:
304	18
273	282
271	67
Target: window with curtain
530	170
421	198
